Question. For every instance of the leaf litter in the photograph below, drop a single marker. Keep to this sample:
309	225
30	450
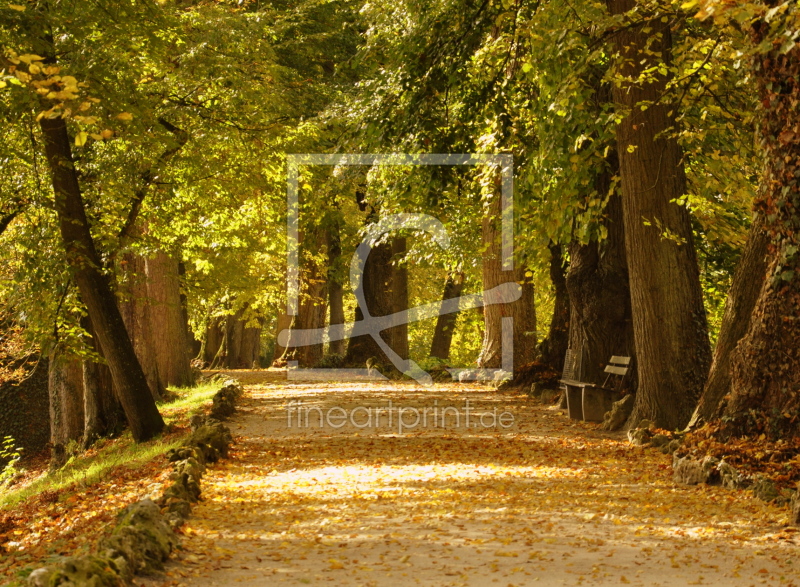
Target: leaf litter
547	500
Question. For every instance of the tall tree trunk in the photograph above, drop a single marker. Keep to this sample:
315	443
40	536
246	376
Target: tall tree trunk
765	366
284	322
65	385
135	311
101	410
313	297
95	291
242	343
669	321
212	340
597	282
194	344
398	291
523	311
376	279
168	328
747	282
335	289
553	349
446	323
250	347
233	332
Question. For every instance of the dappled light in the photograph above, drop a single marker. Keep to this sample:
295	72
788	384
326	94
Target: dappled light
552	500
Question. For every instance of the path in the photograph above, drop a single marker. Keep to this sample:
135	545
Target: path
545	501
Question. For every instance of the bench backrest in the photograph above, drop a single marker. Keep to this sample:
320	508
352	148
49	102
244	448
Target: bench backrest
617	367
569	367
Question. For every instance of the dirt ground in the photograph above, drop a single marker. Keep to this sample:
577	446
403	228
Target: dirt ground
529	497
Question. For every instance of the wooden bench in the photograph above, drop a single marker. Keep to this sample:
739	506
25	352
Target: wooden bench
589	401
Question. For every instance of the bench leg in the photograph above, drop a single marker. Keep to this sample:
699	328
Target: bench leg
575	402
596	402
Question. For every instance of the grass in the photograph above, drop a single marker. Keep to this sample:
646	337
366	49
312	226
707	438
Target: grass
83	470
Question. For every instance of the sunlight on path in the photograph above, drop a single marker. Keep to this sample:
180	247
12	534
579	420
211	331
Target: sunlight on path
546	501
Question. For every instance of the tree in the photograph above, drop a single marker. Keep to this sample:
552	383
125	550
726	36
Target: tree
669	321
765	365
522	311
747	283
134	393
599	294
65	386
445	323
171	345
553	348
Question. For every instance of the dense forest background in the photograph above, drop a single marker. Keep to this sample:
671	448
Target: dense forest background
143	196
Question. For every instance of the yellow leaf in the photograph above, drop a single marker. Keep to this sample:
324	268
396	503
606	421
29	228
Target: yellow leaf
17	7
107	134
29	57
124	116
80	139
335	564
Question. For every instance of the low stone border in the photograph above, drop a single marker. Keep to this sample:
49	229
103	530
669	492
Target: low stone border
145	535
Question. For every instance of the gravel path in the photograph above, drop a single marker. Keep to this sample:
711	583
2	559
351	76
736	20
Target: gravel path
534	499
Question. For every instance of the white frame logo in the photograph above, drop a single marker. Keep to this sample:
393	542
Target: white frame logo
374	325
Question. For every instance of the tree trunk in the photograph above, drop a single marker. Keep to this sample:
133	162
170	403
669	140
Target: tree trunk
747	282
312	307
101	410
135	311
65	385
523	311
250	347
168	328
377	279
284	322
398	291
137	401
446	323
194	344
553	349
242	343
212	340
335	289
597	282
669	321
765	366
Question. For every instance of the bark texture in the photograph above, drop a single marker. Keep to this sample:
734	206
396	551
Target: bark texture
135	310
597	282
765	366
669	320
84	261
65	385
553	349
748	280
102	414
233	341
446	323
312	307
335	290
284	322
398	290
377	280
522	311
168	327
